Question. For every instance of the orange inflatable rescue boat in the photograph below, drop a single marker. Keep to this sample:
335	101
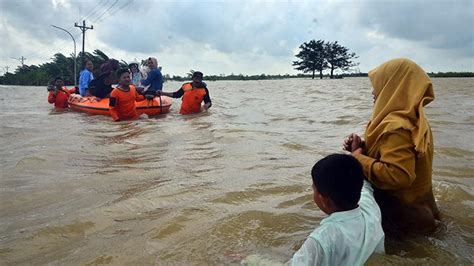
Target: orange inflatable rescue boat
96	106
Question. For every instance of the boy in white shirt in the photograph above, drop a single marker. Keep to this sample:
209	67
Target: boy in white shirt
353	230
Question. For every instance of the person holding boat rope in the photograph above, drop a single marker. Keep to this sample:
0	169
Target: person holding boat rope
59	94
193	93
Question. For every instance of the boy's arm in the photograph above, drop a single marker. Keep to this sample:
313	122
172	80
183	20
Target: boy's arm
51	97
207	100
367	201
113	106
369	206
138	96
310	253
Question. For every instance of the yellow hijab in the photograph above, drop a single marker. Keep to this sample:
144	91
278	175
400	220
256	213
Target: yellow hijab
402	89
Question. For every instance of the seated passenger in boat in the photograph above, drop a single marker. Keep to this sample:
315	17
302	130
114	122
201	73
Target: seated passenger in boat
154	78
85	78
102	86
58	94
135	74
123	97
193	93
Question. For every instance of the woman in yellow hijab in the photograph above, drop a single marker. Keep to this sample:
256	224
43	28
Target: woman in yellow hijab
397	154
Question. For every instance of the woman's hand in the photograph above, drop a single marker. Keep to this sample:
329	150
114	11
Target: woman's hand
353	142
357	152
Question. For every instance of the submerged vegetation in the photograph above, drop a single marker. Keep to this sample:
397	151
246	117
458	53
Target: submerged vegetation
41	75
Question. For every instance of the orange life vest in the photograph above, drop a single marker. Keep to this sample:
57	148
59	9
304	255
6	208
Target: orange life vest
192	99
60	99
122	103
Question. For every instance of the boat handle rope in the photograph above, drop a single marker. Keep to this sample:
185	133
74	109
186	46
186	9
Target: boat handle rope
161	104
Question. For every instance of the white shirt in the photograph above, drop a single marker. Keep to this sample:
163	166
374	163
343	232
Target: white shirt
347	237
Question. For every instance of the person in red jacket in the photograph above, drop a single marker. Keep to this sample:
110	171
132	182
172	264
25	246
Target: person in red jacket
193	93
123	97
58	94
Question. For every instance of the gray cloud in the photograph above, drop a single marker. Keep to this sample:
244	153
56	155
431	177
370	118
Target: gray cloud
30	16
227	27
243	36
439	24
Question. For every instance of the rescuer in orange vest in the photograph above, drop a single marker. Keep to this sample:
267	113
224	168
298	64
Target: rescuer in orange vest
193	93
122	98
58	94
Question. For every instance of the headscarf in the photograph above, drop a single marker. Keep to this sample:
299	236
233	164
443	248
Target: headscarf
107	71
402	89
109	66
155	62
133	64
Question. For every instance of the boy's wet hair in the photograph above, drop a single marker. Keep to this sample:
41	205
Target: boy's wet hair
339	177
57	78
198	74
121	71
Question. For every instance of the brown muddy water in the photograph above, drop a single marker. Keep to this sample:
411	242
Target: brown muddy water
225	187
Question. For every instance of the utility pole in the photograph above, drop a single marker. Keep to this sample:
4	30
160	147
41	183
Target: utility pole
83	29
22	60
6	67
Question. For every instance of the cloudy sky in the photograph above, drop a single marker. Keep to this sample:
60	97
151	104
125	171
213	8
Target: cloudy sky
248	37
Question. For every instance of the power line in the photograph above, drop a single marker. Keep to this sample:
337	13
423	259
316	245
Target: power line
22	60
113	4
92	11
51	50
96	11
120	8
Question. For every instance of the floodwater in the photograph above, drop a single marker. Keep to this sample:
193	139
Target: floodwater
225	187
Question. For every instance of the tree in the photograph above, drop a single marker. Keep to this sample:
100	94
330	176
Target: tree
190	73
59	66
338	57
312	55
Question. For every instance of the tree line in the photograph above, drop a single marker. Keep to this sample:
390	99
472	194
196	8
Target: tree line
317	56
63	66
340	58
60	66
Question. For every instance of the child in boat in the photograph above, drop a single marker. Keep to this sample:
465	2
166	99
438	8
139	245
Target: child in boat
59	94
123	97
193	93
135	74
353	229
144	70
